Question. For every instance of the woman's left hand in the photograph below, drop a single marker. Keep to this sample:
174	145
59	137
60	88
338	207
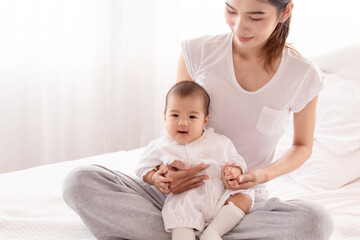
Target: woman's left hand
250	179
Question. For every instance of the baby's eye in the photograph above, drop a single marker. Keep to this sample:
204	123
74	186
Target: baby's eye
193	117
174	115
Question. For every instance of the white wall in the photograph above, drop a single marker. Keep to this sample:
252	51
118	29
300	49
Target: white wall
85	77
323	25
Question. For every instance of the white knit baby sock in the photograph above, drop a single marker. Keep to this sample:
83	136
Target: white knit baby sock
226	219
182	233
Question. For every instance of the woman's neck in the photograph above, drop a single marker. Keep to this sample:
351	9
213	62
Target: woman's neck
249	54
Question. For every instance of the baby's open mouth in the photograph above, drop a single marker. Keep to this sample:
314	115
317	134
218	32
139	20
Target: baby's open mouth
182	132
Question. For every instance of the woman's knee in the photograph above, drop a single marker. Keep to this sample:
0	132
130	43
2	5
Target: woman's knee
315	220
76	182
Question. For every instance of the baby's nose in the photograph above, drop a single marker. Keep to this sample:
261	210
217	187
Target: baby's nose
183	122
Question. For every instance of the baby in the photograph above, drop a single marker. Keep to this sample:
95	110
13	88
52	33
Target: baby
187	214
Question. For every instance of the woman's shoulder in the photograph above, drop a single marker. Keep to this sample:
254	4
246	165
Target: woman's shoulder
295	57
296	62
204	49
208	40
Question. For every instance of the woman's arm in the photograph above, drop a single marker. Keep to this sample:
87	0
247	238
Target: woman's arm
304	125
300	151
182	72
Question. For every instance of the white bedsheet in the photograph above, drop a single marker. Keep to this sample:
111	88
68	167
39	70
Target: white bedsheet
31	206
343	204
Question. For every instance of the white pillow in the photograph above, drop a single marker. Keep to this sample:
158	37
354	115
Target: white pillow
324	170
335	160
338	115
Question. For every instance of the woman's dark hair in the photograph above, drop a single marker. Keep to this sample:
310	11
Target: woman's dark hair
187	88
277	40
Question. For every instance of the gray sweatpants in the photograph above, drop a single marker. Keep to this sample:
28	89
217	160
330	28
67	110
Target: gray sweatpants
115	206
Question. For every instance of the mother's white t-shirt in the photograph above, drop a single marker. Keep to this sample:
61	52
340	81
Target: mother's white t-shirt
256	120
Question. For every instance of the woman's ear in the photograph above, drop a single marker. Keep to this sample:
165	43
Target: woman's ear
287	12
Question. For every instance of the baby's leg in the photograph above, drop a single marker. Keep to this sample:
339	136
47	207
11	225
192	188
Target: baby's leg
182	233
241	200
228	216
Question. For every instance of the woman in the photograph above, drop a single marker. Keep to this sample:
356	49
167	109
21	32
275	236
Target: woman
254	82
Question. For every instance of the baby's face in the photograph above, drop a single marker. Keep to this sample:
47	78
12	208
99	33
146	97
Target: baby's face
185	118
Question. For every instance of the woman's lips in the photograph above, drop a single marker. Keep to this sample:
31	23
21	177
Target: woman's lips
244	39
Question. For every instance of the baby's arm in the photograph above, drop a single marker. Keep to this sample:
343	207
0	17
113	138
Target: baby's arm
147	169
231	172
158	179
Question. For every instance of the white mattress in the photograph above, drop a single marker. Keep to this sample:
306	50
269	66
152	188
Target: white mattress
31	206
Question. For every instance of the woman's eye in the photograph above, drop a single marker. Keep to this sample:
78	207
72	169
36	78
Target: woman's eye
231	12
254	19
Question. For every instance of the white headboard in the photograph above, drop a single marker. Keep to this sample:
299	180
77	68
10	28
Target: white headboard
344	61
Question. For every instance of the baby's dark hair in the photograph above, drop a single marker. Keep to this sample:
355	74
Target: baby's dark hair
187	88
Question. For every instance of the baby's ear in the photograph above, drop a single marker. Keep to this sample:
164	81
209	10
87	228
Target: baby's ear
164	116
206	119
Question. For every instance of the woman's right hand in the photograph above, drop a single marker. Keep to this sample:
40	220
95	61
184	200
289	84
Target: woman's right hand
183	176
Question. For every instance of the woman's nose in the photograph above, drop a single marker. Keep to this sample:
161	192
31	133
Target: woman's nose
241	26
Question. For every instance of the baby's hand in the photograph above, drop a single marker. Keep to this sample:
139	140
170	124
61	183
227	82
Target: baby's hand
230	175
161	182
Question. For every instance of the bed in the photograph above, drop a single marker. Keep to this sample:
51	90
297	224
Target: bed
31	205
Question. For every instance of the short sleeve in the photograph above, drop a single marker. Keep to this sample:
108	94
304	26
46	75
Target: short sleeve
313	83
233	156
191	50
149	159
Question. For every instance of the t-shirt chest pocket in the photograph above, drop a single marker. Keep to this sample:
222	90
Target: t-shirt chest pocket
272	122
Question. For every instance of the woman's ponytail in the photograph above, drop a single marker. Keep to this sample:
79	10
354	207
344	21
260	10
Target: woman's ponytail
277	41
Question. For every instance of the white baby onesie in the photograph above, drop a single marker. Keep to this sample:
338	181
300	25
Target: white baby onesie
194	208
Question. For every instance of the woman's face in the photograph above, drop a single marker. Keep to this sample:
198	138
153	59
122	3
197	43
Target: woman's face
251	21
